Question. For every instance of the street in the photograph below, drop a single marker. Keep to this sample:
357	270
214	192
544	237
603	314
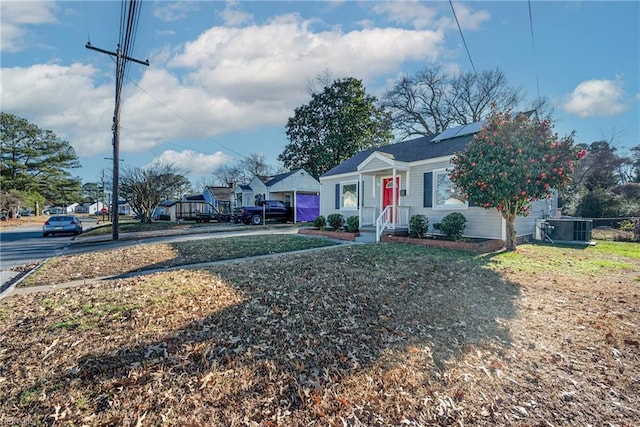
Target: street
25	245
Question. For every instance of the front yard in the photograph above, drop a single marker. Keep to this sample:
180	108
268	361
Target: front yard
384	334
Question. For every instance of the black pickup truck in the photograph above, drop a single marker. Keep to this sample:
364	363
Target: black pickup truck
268	210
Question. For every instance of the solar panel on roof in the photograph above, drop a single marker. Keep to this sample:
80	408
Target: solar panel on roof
447	133
457	131
470	129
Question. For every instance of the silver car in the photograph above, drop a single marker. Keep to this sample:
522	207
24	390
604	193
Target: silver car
62	224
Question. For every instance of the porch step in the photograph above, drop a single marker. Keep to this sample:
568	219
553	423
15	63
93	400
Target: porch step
368	233
366	236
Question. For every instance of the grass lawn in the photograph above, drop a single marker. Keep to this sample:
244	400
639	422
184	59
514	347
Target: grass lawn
164	255
361	335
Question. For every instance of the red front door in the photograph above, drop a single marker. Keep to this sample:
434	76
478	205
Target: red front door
387	192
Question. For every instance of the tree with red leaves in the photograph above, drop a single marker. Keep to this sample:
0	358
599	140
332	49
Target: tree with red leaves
513	161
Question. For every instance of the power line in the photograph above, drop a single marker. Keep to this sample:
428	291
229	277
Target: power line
126	40
186	121
533	45
462	35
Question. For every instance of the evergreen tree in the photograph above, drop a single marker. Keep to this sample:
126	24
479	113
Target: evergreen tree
37	161
338	123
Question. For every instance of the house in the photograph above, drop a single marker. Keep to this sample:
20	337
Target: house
243	196
89	208
387	185
124	208
296	188
166	210
206	205
224	197
66	209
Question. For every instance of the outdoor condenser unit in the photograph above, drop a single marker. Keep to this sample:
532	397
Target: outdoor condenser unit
569	229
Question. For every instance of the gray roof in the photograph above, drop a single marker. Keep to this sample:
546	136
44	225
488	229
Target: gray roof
274	179
408	151
193	197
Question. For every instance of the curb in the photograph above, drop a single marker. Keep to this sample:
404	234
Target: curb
95	280
7	287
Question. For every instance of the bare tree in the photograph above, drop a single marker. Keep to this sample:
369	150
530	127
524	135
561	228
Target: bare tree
243	171
417	104
432	101
472	95
144	188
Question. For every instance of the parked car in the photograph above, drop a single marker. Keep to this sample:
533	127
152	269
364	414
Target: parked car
62	224
268	210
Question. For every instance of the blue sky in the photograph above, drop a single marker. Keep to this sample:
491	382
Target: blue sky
224	77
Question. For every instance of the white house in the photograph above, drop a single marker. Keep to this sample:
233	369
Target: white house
387	185
89	208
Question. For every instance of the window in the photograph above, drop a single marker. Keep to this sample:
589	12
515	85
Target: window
349	196
446	195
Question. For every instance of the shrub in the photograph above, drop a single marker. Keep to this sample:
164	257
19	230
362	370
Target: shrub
352	224
418	226
335	221
452	225
319	222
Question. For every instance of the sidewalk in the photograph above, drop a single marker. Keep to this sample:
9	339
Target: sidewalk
10	278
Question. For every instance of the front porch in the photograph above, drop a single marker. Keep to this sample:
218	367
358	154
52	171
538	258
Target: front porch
392	220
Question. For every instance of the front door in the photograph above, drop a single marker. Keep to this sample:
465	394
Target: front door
387	193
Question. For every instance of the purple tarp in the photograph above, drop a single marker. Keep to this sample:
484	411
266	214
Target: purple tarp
307	207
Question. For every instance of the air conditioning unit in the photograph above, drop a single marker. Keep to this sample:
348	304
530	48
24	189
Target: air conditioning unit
569	229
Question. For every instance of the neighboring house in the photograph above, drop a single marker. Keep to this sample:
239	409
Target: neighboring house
89	208
124	208
193	206
166	210
297	189
243	196
363	186
67	209
224	197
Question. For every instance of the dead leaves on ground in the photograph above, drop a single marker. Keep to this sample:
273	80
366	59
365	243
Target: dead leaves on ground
367	335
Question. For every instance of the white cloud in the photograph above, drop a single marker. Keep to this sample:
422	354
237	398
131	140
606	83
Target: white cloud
233	16
17	16
274	61
49	95
192	163
227	80
596	98
173	11
421	16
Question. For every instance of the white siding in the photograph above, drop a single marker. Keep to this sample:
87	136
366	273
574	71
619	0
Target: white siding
375	164
482	223
300	181
539	209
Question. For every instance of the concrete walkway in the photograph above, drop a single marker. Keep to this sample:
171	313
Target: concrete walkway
100	240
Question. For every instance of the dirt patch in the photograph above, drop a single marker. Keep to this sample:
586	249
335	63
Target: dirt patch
385	334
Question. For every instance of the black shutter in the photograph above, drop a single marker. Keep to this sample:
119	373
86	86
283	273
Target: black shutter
337	196
359	190
428	190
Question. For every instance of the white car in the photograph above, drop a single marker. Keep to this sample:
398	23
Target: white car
62	224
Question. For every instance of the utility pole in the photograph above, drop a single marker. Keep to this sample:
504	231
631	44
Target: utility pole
120	66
